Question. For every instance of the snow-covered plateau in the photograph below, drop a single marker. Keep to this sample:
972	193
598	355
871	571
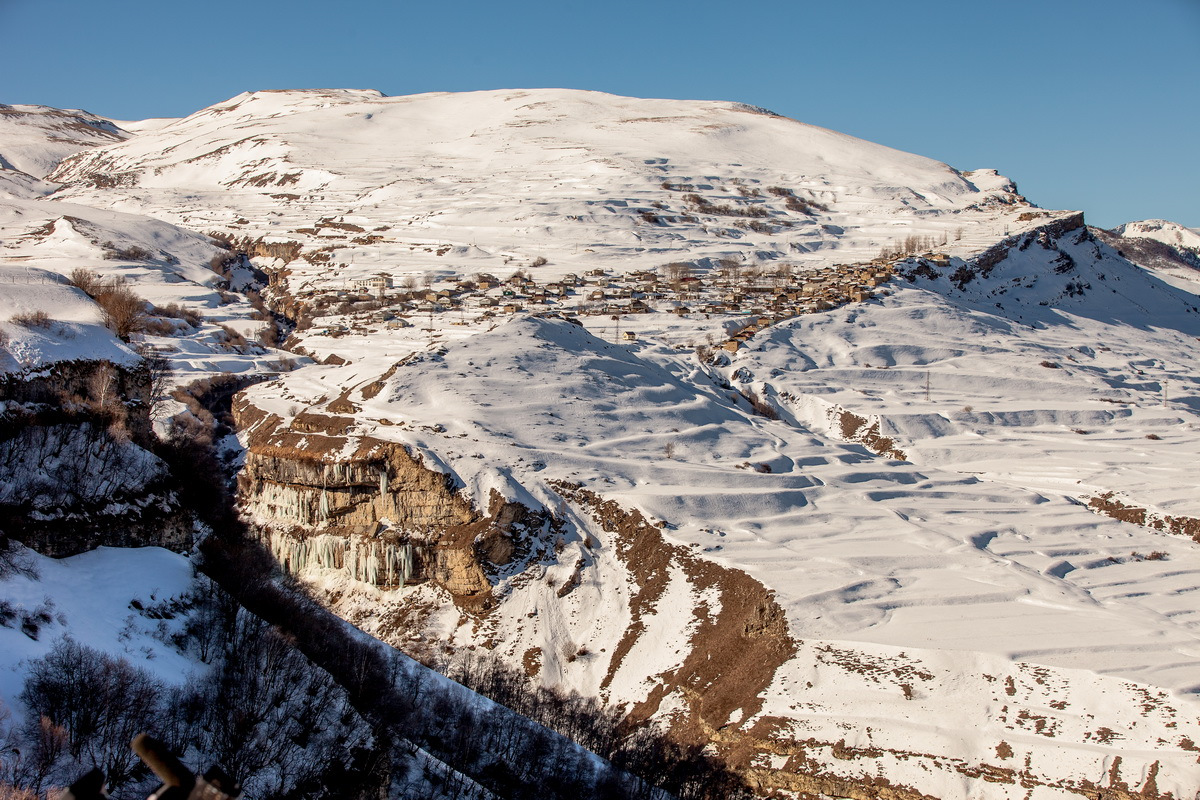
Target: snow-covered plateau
862	472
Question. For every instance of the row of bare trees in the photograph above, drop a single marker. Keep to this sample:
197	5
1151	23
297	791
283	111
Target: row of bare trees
265	713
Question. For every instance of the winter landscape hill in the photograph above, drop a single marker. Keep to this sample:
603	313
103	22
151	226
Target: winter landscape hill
858	473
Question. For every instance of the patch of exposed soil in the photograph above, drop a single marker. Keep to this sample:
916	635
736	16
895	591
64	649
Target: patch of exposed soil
1109	505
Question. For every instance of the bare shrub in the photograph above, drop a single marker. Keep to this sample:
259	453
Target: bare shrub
85	280
760	406
269	336
1153	436
131	252
161	327
229	337
176	311
540	261
32	319
1050	365
124	312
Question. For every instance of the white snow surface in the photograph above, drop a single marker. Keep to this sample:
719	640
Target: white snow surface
1164	231
456	183
89	598
970	569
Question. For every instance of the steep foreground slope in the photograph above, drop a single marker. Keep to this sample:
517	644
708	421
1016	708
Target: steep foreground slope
850	530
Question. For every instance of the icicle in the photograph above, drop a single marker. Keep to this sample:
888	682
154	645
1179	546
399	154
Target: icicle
323	507
383	483
406	563
372	574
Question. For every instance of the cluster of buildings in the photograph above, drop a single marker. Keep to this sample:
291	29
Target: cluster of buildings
764	296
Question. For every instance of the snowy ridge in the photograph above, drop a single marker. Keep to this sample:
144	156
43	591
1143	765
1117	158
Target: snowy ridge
1161	230
427	183
34	139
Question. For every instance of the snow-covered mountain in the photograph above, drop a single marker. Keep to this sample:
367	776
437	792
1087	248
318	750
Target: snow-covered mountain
34	139
457	183
810	451
1161	230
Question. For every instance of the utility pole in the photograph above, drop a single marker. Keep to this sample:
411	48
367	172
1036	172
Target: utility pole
926	386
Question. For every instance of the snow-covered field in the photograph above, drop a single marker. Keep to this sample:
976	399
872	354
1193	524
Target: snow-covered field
963	622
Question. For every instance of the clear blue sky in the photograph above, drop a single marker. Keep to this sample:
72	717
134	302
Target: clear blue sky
1087	104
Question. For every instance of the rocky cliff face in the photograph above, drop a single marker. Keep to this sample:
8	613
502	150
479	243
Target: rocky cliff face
315	477
77	469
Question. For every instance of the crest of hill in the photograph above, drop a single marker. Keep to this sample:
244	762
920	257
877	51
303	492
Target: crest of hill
1165	231
34	139
350	136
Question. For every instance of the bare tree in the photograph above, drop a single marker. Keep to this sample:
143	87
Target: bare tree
99	701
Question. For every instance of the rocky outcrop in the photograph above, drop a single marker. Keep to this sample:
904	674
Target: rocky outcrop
1110	505
316	477
82	387
77	469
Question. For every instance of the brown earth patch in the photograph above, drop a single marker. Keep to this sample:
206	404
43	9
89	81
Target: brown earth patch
736	649
859	429
376	386
1110	506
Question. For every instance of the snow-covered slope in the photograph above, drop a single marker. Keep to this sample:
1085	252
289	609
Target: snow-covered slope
34	139
951	616
942	618
1161	230
456	183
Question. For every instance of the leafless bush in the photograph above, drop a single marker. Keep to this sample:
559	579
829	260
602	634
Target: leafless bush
1153	436
229	337
1050	365
760	406
703	206
131	252
161	327
540	261
32	319
86	280
269	336
100	703
176	311
124	312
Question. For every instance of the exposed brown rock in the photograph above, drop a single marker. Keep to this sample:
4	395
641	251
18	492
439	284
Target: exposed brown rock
1108	504
859	429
